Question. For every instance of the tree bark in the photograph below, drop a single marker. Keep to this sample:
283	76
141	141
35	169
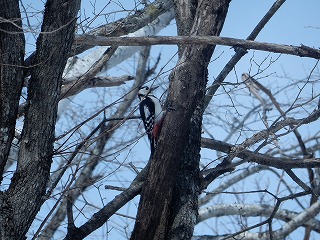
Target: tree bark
169	201
23	199
12	53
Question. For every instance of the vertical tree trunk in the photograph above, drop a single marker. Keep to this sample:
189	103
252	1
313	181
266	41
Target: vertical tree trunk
168	206
23	199
11	71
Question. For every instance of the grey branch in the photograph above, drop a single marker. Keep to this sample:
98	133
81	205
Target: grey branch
228	183
71	87
297	221
99	218
241	52
293	220
248	210
281	163
301	51
90	74
264	134
106	133
125	25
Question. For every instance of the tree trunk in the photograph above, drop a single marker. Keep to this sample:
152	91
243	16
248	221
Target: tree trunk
11	71
169	201
23	199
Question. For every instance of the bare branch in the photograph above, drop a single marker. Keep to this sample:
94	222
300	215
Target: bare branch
241	52
90	74
248	172
281	163
247	210
99	218
298	180
70	201
301	51
106	132
72	88
297	221
125	25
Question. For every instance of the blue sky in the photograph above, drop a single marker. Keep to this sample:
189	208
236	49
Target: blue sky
297	22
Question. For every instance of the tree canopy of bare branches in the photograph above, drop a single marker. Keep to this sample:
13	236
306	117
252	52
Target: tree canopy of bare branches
238	156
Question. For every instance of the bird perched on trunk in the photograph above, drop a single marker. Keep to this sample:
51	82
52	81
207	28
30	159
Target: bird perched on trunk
151	113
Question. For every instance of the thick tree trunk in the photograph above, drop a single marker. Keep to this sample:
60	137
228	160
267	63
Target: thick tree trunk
168	206
11	71
23	199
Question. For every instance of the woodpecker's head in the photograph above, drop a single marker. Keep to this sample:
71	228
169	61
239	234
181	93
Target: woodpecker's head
144	91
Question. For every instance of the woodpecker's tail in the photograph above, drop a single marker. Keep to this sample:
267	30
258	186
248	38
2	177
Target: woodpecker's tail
152	146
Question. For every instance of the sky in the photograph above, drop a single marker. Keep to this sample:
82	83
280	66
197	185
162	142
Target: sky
293	24
296	23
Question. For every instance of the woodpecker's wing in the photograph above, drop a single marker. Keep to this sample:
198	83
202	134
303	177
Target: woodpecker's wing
147	112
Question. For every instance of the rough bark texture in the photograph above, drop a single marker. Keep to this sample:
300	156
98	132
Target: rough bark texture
11	59
168	205
185	11
23	199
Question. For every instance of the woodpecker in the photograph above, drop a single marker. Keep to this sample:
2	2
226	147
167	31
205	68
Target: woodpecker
152	114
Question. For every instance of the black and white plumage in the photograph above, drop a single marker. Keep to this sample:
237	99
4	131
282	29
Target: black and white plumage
151	113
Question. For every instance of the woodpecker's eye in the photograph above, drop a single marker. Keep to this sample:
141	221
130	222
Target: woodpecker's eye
147	88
